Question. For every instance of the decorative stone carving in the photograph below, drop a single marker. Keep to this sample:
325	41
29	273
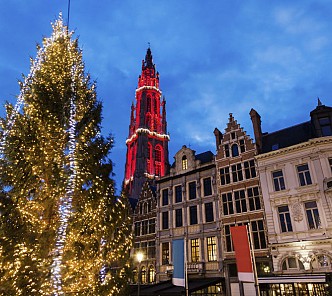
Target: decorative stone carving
297	212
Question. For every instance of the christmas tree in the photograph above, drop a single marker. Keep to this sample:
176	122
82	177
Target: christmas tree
62	229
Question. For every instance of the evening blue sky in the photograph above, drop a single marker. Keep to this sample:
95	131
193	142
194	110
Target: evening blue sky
214	57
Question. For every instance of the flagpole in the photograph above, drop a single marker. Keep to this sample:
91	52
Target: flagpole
253	261
185	264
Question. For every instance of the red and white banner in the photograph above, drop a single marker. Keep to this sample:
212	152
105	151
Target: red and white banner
242	253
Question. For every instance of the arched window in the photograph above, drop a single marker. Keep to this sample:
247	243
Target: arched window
151	274
158	160
291	264
184	163
321	261
148	104
235	150
148	121
135	277
148	160
143	275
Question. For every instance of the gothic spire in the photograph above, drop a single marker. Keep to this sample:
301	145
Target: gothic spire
148	59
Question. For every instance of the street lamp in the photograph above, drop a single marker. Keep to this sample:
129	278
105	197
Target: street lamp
139	257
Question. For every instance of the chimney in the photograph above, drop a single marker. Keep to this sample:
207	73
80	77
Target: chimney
256	123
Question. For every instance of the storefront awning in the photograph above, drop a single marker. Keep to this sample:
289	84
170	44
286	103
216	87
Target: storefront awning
285	279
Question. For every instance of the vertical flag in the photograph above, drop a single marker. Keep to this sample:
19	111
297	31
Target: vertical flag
242	253
178	262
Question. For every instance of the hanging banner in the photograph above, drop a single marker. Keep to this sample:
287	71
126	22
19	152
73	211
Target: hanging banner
242	253
178	262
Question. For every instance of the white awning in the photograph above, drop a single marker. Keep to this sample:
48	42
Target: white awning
292	279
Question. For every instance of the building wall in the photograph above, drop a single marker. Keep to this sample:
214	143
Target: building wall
307	242
188	169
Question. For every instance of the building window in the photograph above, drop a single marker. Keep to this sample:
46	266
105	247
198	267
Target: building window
325	126
284	218
151	249
207	186
254	199
249	169
212	248
209	212
225	177
240	201
278	180
194	250
137	228
144	227
192	190
235	150
152	225
312	215
164	195
165	220
330	162
151	274
321	262
304	174
242	146
143	275
258	234
228	238
165	253
178	193
227	202
144	249
226	148
193	215
292	263
233	136
178	217
237	172
184	163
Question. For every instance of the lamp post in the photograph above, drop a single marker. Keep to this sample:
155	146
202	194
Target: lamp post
139	257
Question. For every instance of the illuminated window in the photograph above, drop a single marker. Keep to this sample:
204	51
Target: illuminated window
143	275
235	150
209	212
212	248
165	253
178	217
194	250
192	190
254	199
237	172
284	219
278	180
249	169
240	201
227	202
292	263
151	274
304	175
225	177
312	215
184	163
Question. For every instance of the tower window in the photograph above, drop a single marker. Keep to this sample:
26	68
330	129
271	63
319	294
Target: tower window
148	104
158	161
184	163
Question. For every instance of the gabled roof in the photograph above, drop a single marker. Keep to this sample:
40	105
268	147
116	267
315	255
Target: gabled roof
205	157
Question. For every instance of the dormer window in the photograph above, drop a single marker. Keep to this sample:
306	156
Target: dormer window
235	150
325	125
184	163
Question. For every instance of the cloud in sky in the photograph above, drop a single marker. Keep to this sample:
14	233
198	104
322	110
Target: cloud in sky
214	58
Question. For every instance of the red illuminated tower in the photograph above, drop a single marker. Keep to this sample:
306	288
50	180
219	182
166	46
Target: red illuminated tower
147	143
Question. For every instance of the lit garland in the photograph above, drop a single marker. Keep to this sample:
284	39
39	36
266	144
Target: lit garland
147	131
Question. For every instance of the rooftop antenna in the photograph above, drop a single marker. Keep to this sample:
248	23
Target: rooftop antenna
68	14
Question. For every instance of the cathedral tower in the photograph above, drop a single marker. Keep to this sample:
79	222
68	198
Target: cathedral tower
147	143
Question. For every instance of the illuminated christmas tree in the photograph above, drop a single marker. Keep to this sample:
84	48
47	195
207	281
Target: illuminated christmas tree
62	230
